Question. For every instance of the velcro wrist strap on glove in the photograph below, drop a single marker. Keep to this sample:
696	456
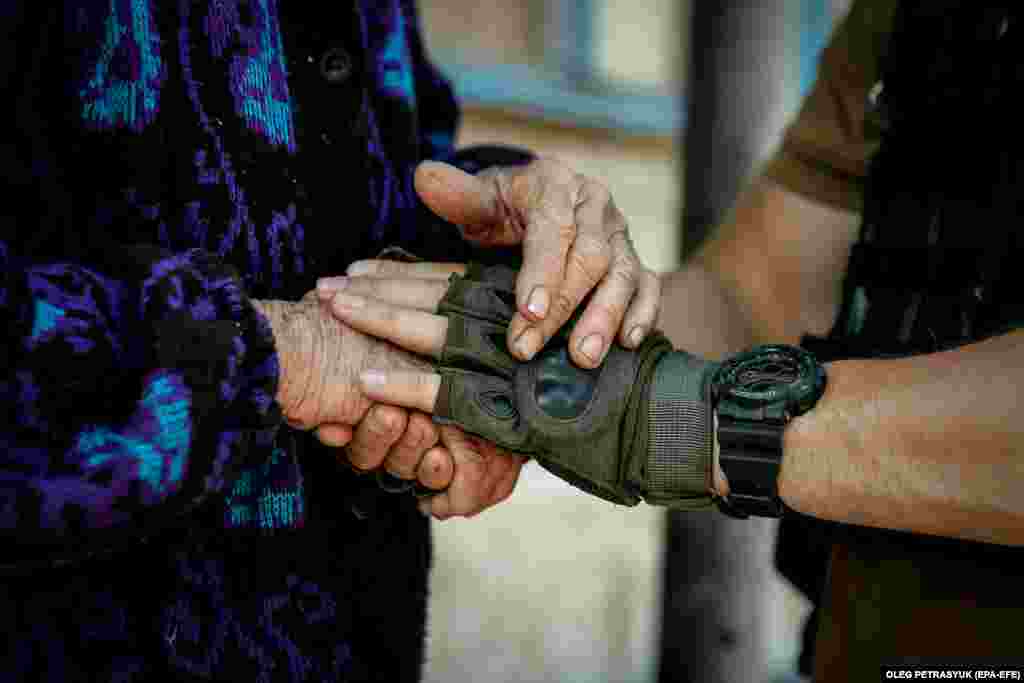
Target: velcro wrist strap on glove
680	433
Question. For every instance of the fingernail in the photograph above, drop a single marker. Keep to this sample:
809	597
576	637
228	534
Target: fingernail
348	302
592	347
528	342
373	378
359	268
538	302
636	335
327	286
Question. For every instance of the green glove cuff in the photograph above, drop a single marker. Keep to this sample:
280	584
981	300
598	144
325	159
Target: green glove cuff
680	441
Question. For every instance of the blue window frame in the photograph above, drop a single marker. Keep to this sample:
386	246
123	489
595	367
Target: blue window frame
567	87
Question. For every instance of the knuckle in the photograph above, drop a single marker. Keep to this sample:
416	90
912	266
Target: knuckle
597	191
421	434
564	305
625	272
589	245
649	287
386	420
371	287
565	225
429	429
397	463
353	406
591	258
619	236
412	440
560	216
546	270
653	283
653	316
655	313
361	457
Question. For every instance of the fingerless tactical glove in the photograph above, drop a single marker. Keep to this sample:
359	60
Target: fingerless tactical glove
639	426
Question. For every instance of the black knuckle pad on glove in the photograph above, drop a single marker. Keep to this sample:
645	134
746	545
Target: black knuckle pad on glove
575	419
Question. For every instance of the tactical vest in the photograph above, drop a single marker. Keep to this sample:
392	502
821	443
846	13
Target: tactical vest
936	265
938	262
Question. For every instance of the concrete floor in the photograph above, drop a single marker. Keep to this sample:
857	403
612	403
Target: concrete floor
554	585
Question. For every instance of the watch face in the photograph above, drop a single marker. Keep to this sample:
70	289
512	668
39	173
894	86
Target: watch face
764	374
781	375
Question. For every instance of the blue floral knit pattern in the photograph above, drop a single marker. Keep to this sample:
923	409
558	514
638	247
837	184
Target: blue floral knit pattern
265	496
168	161
124	81
259	81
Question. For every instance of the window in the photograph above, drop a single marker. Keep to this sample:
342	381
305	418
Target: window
604	63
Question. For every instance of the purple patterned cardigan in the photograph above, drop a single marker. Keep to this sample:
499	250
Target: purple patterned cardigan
164	162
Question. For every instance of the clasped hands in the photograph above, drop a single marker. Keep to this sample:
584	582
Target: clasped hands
342	347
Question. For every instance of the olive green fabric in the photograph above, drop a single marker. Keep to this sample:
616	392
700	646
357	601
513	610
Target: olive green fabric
680	428
825	151
589	427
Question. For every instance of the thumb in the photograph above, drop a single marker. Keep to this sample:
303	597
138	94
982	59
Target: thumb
469	202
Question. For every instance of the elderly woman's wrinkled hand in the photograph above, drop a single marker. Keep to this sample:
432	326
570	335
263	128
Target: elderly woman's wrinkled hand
576	244
320	360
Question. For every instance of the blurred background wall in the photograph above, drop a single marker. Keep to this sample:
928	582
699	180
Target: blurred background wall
672	104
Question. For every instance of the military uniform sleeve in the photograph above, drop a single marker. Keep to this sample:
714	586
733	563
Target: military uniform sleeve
825	151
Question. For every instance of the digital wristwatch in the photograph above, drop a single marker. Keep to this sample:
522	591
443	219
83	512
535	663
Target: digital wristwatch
754	396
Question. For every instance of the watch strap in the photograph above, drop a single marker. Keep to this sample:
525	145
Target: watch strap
750	455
